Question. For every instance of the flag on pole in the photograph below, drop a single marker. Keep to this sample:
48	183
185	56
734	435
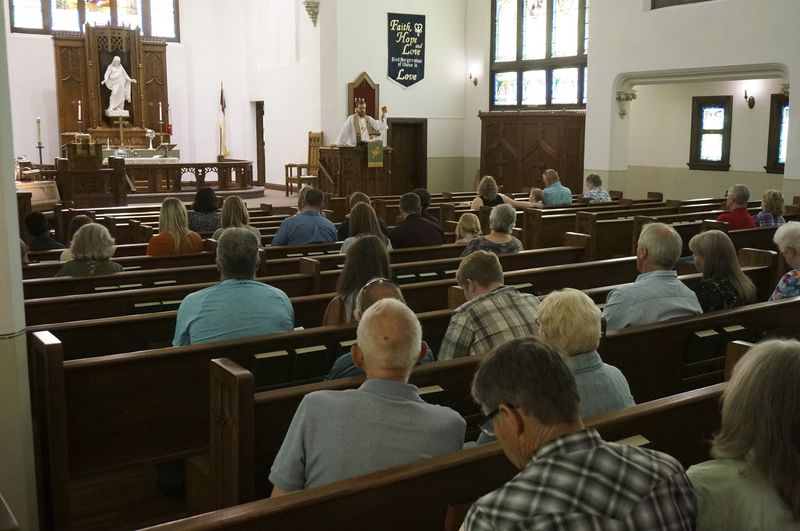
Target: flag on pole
223	124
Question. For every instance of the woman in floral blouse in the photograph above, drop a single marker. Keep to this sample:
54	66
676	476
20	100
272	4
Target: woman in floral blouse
787	238
499	240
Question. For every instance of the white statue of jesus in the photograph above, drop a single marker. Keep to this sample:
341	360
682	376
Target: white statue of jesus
116	79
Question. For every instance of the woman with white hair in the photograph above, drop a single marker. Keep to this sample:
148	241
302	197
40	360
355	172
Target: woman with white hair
174	235
92	248
787	238
754	480
570	322
499	240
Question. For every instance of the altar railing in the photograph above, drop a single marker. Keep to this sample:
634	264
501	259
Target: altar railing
168	177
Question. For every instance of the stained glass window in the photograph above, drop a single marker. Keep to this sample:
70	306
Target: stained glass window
784	136
505	88
534	29
98	12
129	13
534	87
505	44
27	14
163	19
64	14
543	42
711	133
565	28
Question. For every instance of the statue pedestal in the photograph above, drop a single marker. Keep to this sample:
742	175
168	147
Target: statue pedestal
117	114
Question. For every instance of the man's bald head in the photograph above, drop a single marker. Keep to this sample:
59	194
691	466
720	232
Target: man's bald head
389	337
375	290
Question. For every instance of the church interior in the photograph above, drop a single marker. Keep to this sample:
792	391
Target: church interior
110	107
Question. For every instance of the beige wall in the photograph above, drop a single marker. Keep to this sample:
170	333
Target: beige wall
452	174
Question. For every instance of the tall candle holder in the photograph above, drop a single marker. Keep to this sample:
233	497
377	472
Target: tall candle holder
80	126
40	147
161	130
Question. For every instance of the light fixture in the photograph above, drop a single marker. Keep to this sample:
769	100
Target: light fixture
751	101
312	8
623	98
473	78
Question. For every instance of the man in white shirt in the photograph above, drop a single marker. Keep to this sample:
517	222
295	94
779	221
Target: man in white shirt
361	128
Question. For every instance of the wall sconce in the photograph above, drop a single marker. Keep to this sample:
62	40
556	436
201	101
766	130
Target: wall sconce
785	89
751	101
473	78
623	98
312	8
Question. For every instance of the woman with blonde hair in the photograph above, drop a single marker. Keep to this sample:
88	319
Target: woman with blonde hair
723	285
754	480
364	222
468	228
489	195
234	214
174	236
771	209
92	248
367	258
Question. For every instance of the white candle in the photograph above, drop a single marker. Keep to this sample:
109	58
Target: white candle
39	129
160	113
80	113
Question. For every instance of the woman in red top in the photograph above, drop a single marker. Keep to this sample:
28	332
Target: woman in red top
174	236
736	201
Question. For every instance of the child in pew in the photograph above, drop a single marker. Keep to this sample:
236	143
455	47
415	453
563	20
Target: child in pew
753	481
373	291
468	228
536	197
92	248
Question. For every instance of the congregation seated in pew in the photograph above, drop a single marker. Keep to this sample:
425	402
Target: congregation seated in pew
309	225
736	200
657	294
724	285
414	230
595	192
335	435
554	192
493	313
787	238
74	224
174	235
488	194
39	229
468	228
343	230
772	209
92	248
570	477
373	291
364	222
366	259
234	214
237	307
753	481
204	216
499	240
424	202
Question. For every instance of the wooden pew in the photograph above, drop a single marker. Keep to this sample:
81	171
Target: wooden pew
103	414
679	425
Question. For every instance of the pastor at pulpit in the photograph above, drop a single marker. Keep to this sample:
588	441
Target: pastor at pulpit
359	127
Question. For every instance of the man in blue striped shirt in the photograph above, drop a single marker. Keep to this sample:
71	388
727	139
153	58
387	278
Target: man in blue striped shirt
554	192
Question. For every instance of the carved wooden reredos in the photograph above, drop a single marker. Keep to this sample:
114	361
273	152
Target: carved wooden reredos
81	61
364	87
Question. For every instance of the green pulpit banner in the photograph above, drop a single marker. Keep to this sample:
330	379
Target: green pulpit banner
375	154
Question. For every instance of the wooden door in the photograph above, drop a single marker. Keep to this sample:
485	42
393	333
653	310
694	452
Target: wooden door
409	139
261	158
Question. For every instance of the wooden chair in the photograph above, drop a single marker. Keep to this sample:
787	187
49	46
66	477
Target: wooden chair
302	174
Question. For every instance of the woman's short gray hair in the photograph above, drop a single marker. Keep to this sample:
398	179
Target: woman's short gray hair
663	244
503	218
237	253
92	242
788	236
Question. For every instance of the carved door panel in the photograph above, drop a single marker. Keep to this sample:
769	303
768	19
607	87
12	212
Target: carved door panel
408	139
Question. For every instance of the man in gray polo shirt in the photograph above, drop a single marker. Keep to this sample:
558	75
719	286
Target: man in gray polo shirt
341	434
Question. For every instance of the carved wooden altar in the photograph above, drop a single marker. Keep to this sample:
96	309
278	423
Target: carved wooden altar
516	148
343	170
81	61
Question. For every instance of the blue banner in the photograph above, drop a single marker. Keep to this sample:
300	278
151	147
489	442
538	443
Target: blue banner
406	48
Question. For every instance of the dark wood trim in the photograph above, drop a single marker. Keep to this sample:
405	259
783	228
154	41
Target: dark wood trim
776	104
261	156
658	4
698	102
45	27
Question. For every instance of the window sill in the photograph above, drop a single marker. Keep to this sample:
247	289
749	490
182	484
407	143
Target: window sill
778	168
709	166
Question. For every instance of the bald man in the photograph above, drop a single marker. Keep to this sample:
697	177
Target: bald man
336	435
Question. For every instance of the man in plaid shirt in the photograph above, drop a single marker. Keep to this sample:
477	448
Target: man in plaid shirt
570	478
493	313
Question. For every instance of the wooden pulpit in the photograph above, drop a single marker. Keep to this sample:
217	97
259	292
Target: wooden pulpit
344	170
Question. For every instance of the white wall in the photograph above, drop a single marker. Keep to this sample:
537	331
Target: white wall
697	39
477	55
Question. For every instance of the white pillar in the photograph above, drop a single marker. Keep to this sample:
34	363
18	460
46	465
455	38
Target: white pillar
17	477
